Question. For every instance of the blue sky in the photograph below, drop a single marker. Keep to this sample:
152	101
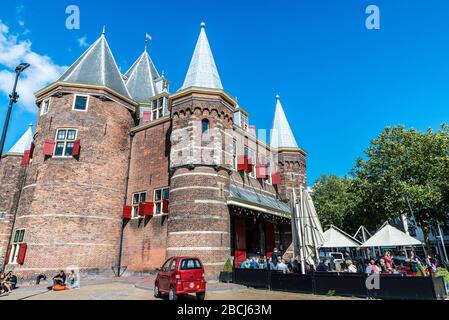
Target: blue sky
339	82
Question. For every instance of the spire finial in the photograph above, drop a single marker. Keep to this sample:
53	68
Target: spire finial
148	37
104	30
278	97
203	25
30	125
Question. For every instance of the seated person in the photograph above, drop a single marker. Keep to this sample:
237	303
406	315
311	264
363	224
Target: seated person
73	280
60	279
245	264
5	286
324	266
12	279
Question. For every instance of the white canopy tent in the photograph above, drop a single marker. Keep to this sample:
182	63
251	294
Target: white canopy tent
337	238
389	236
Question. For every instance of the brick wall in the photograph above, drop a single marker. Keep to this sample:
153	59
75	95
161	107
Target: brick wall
11	175
145	240
72	208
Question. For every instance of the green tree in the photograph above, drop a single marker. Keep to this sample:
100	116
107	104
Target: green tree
405	164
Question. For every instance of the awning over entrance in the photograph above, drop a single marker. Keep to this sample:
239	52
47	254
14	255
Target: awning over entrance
255	201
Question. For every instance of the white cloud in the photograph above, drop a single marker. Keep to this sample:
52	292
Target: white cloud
21	23
83	42
43	70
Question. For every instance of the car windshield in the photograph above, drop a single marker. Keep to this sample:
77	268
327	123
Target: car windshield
190	264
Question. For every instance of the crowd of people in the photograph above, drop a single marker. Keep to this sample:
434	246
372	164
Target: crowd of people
385	264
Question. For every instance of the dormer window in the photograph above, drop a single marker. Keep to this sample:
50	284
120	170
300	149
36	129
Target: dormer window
158	108
241	120
80	103
45	107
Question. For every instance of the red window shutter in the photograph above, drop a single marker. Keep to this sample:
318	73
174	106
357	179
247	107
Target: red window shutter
276	178
32	150
26	158
146	116
165	206
8	254
148	210
249	166
76	148
242	163
22	253
127	212
49	147
261	171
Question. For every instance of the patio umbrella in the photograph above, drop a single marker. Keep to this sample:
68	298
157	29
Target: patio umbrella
309	231
389	236
336	238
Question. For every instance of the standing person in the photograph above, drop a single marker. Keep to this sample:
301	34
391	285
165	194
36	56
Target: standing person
296	268
276	256
388	260
430	266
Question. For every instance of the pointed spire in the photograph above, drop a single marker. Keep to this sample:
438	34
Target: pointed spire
140	78
281	134
203	71
97	66
24	143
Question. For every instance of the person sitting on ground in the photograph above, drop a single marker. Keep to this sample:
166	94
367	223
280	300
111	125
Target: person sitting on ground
282	266
5	286
73	280
372	268
60	279
350	267
12	280
324	266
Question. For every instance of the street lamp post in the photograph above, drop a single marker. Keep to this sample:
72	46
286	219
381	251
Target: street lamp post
13	97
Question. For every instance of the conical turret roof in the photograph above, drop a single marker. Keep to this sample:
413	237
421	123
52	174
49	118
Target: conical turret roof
97	66
281	134
23	144
203	71
140	79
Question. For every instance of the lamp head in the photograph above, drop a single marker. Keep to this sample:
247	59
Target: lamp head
21	67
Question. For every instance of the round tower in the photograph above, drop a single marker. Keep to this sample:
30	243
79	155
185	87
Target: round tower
70	211
202	121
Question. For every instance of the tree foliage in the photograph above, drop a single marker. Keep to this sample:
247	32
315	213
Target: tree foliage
398	165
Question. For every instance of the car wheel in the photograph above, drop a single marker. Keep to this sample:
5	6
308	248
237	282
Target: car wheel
200	296
157	293
172	296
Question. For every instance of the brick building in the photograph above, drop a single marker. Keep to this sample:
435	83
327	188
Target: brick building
121	173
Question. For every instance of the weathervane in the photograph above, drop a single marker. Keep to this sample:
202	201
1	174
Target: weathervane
148	37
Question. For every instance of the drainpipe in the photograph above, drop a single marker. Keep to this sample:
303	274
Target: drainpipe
125	200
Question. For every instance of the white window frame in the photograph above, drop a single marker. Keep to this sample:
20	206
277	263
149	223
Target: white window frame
81	96
160	109
43	111
251	154
135	206
159	202
65	143
15	249
3	215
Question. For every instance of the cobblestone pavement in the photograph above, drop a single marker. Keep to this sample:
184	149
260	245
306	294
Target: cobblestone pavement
135	288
